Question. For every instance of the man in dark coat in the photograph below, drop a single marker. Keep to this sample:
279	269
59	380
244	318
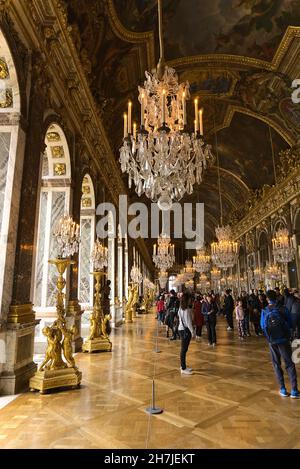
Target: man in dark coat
295	315
228	309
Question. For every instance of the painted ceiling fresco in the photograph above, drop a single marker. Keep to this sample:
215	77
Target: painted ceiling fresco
114	68
245	27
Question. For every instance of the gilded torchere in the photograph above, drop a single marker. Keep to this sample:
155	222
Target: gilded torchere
98	340
129	305
58	369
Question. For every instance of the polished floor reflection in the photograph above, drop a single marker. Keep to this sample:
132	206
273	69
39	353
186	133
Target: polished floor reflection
231	401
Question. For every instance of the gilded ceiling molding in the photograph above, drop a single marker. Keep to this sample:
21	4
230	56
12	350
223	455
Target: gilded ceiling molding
239	180
232	109
129	36
215	60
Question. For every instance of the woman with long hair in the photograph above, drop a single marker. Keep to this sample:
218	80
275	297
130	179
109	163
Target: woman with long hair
185	330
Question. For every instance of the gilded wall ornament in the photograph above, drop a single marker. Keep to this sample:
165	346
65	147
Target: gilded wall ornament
59	169
86	202
4	73
53	137
57	152
6	98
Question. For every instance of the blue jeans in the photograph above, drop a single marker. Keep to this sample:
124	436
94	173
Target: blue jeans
283	351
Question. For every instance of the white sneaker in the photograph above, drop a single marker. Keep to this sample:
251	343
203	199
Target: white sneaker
187	371
229	328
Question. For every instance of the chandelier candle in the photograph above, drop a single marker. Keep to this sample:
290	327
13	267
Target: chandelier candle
201	121
184	108
129	117
142	111
196	114
125	126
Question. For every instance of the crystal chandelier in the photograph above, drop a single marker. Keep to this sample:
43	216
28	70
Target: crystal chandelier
66	233
163	253
201	262
203	282
215	274
162	278
163	160
188	271
99	256
273	271
283	249
189	284
224	252
136	275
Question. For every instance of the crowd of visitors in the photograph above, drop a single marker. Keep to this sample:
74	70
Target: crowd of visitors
272	314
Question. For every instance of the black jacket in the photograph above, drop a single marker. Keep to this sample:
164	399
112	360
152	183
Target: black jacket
228	304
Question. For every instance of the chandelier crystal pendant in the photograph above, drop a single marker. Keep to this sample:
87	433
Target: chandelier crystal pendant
163	253
99	256
201	262
283	249
163	160
66	233
224	252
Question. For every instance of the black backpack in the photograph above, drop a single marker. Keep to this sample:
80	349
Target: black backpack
277	328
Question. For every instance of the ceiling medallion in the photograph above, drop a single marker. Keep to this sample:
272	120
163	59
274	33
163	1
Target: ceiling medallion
163	159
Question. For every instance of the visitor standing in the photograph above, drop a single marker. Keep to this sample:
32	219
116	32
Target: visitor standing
186	331
228	309
209	311
276	325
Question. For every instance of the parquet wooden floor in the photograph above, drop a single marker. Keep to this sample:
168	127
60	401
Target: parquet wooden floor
231	400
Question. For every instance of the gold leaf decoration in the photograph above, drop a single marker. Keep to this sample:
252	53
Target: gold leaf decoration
4	73
53	137
6	98
59	169
57	152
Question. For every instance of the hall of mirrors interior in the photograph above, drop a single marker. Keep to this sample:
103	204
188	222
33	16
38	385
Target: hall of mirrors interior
215	125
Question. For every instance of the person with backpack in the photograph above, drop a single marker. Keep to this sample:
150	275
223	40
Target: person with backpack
276	325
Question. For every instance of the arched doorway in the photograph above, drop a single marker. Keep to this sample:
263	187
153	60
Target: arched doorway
87	238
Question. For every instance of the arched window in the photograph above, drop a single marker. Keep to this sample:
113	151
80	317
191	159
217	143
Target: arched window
263	250
54	202
87	238
120	264
11	162
111	255
171	286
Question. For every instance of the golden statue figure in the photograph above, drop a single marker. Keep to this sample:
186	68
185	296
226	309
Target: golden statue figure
53	358
135	299
94	326
67	345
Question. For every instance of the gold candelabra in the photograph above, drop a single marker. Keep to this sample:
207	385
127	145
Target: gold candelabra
98	340
58	369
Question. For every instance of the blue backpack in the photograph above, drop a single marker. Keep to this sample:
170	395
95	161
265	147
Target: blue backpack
277	328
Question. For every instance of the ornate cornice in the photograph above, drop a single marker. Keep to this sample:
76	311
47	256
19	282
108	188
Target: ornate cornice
274	200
